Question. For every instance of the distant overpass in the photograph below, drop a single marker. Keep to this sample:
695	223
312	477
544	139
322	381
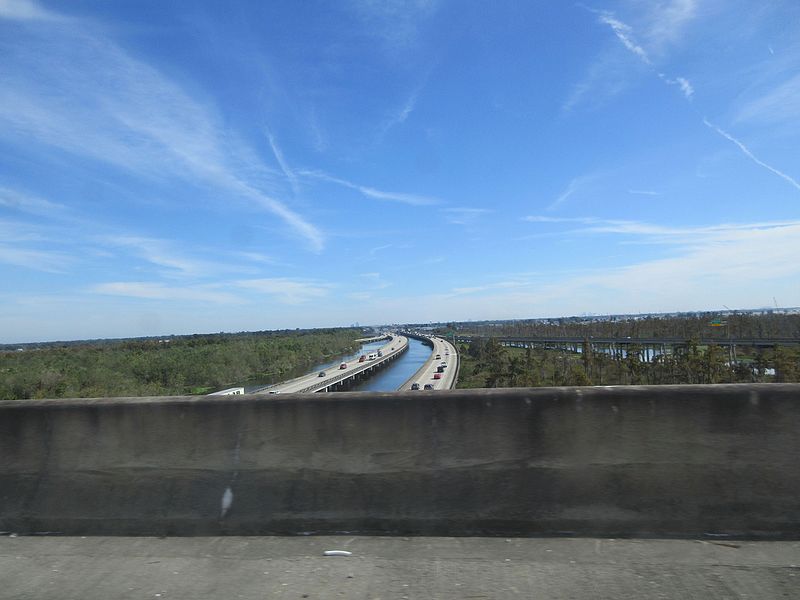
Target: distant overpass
560	341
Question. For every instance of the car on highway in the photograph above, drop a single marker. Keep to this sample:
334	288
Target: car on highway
362	358
438	356
428	386
343	366
414	386
321	374
437	375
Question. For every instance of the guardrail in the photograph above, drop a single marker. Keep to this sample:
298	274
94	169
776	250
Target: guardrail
704	461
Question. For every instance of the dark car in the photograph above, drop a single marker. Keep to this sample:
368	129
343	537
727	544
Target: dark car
414	386
343	366
428	386
321	374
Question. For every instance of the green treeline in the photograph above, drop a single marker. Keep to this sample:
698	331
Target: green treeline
178	365
486	363
685	326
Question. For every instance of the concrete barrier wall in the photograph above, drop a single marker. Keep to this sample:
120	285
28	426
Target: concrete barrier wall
614	461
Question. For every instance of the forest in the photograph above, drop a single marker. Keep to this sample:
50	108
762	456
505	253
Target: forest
178	365
705	325
485	362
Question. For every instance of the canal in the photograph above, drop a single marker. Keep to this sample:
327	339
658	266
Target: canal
398	371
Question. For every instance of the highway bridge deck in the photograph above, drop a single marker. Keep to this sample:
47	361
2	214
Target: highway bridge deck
95	568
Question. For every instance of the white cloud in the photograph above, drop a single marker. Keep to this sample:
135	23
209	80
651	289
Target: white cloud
141	122
285	168
162	254
625	34
686	87
573	186
149	290
705	269
395	22
780	105
25	10
464	216
18	201
665	234
684	84
288	291
668	20
37	260
746	151
400	116
376	281
370	192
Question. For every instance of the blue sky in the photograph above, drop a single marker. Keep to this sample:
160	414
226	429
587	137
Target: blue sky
183	167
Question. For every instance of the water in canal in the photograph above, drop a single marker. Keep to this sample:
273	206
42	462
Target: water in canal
398	371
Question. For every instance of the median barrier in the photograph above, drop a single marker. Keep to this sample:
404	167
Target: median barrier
685	461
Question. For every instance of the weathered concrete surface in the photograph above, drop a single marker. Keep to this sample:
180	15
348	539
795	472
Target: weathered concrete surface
646	461
53	568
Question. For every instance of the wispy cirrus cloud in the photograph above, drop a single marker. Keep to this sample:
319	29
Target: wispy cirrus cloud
663	23
163	254
664	233
746	151
25	10
285	168
399	117
375	281
704	267
666	21
778	105
47	261
625	33
142	123
285	290
234	292
464	215
16	201
395	22
575	185
370	192
149	290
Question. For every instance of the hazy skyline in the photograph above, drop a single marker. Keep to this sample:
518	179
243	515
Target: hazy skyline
172	168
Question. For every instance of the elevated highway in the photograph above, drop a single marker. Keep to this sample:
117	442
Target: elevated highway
346	374
560	341
442	362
